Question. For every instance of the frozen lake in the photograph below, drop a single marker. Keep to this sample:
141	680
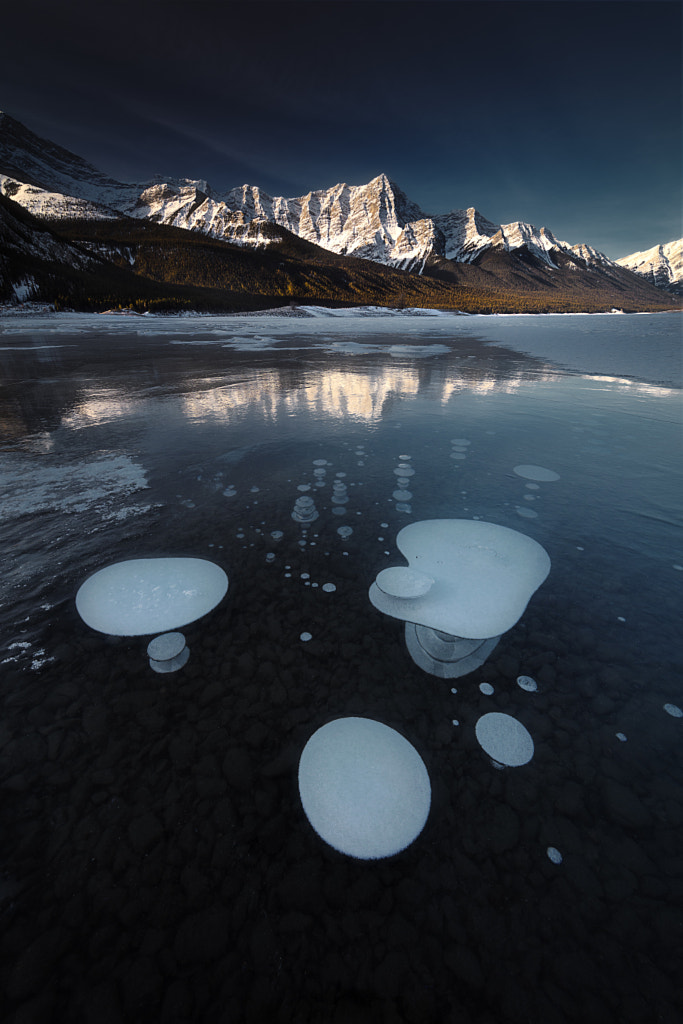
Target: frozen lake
156	859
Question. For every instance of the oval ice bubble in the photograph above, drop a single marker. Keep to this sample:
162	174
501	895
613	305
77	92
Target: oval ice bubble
527	683
150	595
364	788
398	581
536	473
504	739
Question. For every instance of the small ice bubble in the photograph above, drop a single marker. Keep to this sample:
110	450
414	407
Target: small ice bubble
305	637
229	492
486	688
536	473
578	548
270	557
380	539
345	531
303	487
456	722
288	575
526	513
620	618
673	710
385	526
460	440
620	736
305	576
338	510
319	462
277	535
329	588
527	683
340	475
679	567
254	490
453	689
554	855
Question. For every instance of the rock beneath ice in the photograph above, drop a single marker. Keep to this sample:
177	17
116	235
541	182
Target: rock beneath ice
150	595
504	739
364	788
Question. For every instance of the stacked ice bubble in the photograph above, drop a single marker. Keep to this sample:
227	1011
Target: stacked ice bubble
340	495
320	472
402	495
533	474
460	448
304	510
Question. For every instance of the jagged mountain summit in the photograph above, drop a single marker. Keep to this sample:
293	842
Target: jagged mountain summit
376	222
662	265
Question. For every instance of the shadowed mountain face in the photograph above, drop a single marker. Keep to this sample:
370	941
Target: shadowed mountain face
459	259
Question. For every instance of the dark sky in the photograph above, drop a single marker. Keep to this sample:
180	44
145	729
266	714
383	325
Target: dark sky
566	114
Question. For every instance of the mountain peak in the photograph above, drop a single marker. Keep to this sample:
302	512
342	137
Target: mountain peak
376	221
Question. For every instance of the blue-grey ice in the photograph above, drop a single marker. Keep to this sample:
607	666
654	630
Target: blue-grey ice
150	595
364	788
504	739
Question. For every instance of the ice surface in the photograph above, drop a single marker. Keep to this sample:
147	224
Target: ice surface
77	487
364	788
645	346
504	739
150	595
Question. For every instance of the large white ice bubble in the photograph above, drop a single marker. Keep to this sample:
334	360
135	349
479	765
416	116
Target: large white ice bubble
364	788
150	595
504	739
484	576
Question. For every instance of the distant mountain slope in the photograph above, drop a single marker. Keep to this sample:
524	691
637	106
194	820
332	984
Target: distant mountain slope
462	259
662	265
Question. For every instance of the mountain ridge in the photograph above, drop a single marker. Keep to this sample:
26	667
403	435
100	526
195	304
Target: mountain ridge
376	222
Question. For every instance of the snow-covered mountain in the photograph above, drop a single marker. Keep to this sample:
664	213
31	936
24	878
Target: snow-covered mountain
376	221
662	265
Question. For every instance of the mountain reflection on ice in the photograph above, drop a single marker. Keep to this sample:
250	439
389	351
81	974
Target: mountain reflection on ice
157	862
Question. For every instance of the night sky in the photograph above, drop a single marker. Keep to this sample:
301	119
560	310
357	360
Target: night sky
564	114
